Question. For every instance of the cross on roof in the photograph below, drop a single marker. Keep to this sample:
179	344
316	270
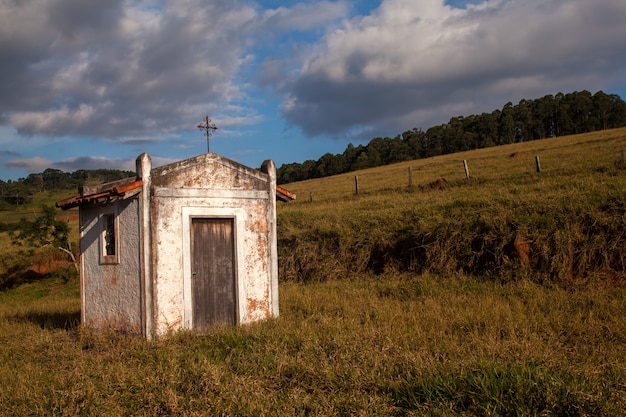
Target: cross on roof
207	127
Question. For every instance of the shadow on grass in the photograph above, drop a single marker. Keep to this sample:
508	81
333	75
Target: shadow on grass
16	276
50	320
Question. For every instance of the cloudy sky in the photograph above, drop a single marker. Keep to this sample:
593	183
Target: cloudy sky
87	85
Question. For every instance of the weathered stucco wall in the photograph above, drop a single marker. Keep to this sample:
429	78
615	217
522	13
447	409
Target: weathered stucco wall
210	186
146	288
111	292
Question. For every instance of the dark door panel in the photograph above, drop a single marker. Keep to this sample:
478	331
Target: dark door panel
213	272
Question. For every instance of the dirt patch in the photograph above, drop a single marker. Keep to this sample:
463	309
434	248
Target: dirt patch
516	154
47	266
521	249
439	184
70	218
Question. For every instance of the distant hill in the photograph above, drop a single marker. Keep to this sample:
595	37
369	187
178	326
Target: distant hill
16	193
506	221
546	117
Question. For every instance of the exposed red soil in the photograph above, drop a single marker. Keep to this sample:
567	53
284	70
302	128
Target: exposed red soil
439	184
45	266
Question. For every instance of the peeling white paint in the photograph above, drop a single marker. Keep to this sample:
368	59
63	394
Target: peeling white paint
149	290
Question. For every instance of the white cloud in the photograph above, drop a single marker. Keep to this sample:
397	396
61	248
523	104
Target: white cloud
410	63
303	16
39	164
53	120
150	64
142	73
36	164
124	68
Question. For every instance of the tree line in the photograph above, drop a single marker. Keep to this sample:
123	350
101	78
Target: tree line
20	192
549	116
546	117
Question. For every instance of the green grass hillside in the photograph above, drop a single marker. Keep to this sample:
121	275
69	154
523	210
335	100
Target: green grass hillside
507	221
499	295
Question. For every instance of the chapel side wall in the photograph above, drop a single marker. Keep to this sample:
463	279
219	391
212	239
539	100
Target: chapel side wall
111	293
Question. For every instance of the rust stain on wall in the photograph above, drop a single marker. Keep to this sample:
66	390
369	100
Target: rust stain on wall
118	323
258	306
113	276
259	225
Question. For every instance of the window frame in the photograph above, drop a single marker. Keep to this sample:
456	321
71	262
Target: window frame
109	217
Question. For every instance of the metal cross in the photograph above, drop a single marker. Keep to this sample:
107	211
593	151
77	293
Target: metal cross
207	127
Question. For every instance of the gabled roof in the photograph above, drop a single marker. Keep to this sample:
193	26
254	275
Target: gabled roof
284	195
128	187
103	193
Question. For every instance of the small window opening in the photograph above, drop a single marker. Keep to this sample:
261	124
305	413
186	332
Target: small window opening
109	234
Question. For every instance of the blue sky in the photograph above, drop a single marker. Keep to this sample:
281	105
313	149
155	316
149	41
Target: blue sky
88	85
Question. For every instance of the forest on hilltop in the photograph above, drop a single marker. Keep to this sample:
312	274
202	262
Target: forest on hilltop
16	193
546	117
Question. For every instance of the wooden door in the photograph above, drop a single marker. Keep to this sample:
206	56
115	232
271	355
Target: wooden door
213	272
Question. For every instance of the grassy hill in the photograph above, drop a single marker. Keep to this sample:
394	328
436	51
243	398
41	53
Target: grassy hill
501	294
506	221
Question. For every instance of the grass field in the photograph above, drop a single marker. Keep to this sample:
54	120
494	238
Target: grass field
397	345
507	220
393	302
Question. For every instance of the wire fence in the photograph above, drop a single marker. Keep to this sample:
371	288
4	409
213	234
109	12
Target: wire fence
413	174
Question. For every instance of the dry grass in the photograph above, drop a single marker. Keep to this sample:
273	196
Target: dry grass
565	155
402	345
571	215
12	257
7	252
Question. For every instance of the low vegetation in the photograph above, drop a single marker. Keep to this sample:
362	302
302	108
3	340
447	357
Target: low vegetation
37	244
506	221
501	294
402	345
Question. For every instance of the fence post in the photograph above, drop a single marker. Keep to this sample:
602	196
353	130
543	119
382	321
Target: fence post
466	169
356	183
622	155
311	196
410	178
537	163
